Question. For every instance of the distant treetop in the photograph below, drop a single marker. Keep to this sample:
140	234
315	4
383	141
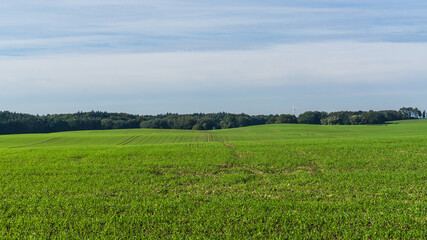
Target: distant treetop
12	123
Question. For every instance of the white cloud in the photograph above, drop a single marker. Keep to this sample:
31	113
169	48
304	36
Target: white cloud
52	42
43	26
284	65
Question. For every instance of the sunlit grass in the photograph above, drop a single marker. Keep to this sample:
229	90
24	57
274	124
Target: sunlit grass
273	181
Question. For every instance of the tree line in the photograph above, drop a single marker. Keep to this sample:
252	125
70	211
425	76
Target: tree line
13	123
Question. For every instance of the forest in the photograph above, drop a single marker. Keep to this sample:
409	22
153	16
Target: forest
13	123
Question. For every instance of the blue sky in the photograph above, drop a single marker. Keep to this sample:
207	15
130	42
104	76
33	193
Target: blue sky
258	57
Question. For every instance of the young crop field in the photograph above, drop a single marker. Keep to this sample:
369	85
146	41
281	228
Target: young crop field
261	182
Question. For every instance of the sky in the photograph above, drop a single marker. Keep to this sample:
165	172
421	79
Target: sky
187	56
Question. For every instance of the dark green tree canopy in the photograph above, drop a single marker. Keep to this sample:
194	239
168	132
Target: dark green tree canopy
12	123
311	117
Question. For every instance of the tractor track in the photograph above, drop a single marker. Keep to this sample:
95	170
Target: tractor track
37	143
129	140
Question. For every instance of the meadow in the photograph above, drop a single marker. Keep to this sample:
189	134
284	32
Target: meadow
280	181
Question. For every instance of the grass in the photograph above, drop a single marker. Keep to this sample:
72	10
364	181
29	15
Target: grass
272	181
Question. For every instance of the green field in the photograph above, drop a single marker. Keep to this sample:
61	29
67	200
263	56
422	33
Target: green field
261	182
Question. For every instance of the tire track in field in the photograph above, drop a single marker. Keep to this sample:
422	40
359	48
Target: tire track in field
129	140
210	137
37	143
